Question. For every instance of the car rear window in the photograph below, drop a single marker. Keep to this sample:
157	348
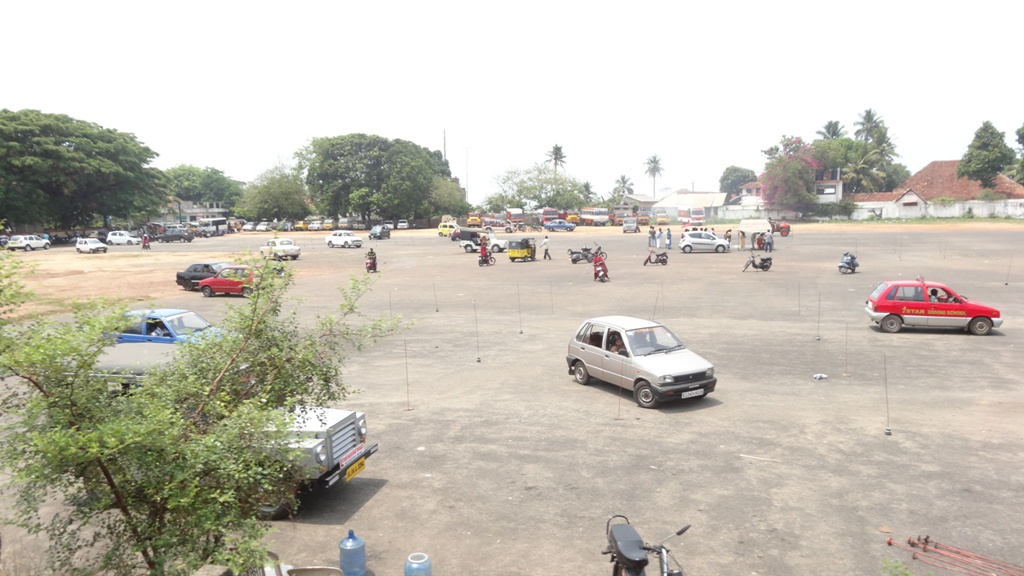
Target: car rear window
909	294
879	290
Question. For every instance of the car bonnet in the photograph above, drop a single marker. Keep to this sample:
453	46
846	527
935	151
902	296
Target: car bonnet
684	361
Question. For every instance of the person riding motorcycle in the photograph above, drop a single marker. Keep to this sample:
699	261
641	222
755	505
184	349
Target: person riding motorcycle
600	268
483	251
371	261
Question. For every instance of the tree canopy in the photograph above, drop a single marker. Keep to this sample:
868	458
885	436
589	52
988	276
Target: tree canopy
536	187
733	178
789	176
62	172
169	475
187	182
556	157
623	186
654	170
276	193
832	130
370	175
986	157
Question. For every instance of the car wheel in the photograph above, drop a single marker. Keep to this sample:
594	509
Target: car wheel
468	249
687	248
188	285
296	257
719	248
104	250
246	291
207	291
77	250
580	374
29	248
270	512
46	246
644	395
496	248
182	240
891	324
110	242
980	326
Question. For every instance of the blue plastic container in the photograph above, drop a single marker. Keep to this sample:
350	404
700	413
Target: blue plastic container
353	555
418	565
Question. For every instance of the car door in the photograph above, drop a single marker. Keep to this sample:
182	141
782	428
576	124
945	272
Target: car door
588	347
910	304
948	311
618	367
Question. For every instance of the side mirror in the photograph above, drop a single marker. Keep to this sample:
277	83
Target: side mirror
623	352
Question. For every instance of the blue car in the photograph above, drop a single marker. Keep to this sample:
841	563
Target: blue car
164	326
559	224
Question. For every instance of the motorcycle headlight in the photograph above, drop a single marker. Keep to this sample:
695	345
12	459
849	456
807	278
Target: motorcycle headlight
321	453
666	379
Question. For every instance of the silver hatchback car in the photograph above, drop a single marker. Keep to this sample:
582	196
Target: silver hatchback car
641	356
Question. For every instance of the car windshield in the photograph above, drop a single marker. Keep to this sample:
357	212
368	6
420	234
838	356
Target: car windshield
187	323
652	339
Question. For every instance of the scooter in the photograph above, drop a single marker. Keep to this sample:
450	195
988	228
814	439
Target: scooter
653	258
629	551
600	269
371	263
762	263
145	243
575	256
848	263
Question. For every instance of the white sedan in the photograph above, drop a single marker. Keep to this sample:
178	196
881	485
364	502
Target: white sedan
27	243
120	237
343	238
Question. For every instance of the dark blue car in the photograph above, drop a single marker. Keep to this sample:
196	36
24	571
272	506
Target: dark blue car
164	326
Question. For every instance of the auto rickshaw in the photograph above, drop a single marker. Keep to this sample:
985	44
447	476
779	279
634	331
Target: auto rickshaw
522	249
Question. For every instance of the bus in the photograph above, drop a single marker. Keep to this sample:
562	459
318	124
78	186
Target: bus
594	217
215	226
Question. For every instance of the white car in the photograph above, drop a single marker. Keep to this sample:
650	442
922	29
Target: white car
281	249
263	227
316	226
403	224
702	242
28	243
120	238
343	238
90	246
249	226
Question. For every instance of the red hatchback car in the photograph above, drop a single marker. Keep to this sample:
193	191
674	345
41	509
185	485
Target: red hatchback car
230	280
895	304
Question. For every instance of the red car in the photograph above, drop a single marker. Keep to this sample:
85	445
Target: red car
230	280
895	304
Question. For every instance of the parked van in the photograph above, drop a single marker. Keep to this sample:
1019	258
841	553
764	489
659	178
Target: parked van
629	225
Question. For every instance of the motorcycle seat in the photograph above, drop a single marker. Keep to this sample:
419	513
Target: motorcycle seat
628	545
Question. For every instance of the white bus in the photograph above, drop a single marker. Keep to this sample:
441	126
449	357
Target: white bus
214	226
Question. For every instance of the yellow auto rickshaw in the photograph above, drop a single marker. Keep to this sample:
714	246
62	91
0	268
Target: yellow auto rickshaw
522	249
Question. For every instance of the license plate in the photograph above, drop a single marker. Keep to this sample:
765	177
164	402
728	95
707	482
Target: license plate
692	393
355	469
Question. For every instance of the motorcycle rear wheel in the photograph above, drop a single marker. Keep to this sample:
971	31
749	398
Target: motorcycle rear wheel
845	270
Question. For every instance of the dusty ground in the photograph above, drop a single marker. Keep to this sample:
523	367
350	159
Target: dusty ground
493	461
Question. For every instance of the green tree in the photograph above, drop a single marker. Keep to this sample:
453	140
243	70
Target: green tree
623	187
370	175
987	156
169	476
654	170
789	176
868	125
1018	172
446	197
62	172
556	157
276	193
187	182
863	175
733	178
536	187
895	175
832	130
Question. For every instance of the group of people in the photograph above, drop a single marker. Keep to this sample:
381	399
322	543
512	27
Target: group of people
758	240
657	239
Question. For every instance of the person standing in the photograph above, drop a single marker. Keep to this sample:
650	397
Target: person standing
668	238
650	237
544	245
659	238
743	240
769	242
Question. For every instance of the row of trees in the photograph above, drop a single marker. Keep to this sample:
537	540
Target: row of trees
62	173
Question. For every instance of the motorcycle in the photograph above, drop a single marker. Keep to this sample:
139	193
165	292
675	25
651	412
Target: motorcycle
145	243
758	262
371	263
575	256
629	551
600	269
653	258
848	263
485	258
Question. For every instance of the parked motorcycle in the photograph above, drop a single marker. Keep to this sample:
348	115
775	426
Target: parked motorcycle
653	258
848	263
575	256
629	551
758	262
597	251
600	269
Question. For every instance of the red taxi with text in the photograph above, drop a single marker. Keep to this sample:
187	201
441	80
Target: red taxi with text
895	304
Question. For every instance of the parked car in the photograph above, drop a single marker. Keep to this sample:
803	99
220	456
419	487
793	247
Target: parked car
263	227
403	224
189	278
89	246
174	235
897	303
629	225
248	226
702	242
121	238
390	224
316	226
163	326
27	243
445	229
380	232
230	280
641	356
559	224
343	238
281	249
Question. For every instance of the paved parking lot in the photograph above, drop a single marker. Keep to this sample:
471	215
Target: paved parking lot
493	461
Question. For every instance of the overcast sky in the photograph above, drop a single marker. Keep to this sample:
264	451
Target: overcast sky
240	86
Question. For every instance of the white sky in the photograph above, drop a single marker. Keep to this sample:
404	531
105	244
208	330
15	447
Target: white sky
240	86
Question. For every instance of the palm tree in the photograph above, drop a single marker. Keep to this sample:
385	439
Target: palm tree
623	186
556	157
880	141
868	125
654	170
588	193
833	130
865	174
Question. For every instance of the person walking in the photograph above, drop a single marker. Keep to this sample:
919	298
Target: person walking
668	238
659	238
544	245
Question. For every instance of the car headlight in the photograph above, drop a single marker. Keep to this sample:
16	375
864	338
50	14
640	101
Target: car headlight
362	429
666	379
321	453
710	372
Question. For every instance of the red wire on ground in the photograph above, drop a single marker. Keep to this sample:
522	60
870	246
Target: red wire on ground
953	559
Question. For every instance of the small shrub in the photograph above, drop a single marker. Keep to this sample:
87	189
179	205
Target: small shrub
895	568
969	213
